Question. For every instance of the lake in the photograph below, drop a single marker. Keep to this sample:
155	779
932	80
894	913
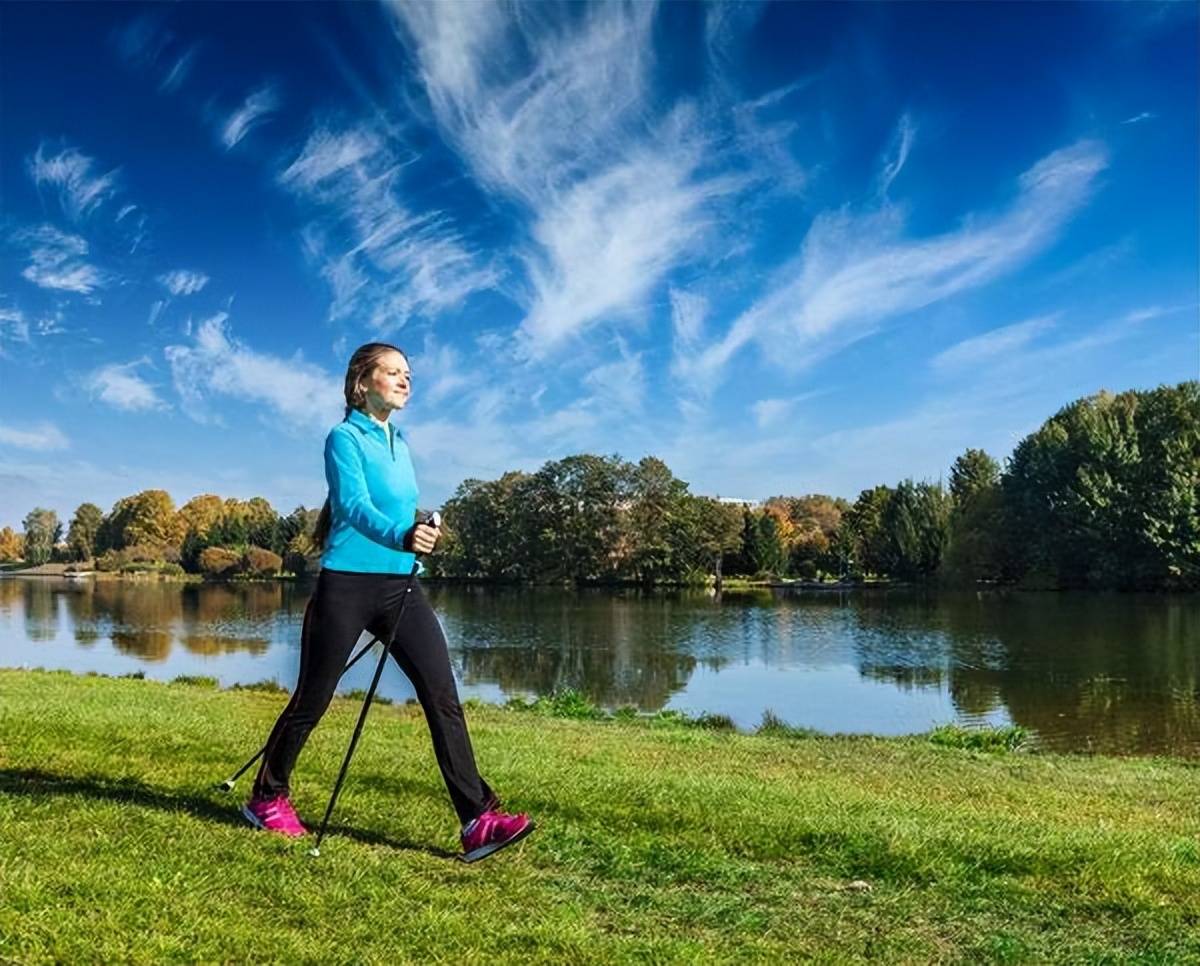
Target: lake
1083	672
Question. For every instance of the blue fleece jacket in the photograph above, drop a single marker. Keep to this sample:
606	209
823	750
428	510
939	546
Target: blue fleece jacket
372	497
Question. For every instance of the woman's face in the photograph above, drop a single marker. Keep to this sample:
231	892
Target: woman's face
390	383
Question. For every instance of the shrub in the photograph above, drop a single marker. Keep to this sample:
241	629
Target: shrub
807	570
219	562
196	680
360	694
1012	738
111	561
568	703
266	685
295	563
259	562
139	567
714	722
151	553
776	727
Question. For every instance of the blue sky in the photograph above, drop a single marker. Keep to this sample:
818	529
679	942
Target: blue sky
787	248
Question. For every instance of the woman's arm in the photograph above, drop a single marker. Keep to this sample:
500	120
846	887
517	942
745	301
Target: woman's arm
348	492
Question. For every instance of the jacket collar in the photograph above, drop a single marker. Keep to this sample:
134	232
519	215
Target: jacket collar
367	425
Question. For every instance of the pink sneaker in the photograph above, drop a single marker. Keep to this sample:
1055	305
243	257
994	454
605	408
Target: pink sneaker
274	815
490	832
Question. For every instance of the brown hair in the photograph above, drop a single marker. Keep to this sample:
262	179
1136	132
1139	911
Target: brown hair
365	359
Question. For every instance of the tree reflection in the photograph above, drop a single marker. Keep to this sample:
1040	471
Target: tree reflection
1107	673
616	648
41	609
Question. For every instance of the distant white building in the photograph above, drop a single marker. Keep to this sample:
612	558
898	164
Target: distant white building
737	501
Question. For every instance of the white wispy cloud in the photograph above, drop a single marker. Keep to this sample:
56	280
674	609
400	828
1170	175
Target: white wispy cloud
148	45
1138	118
768	412
81	189
177	73
440	371
254	110
14	326
50	324
855	271
326	156
897	154
620	384
121	387
609	240
1149	312
39	436
57	261
384	261
289	391
567	129
726	26
982	348
688	312
764	128
183	282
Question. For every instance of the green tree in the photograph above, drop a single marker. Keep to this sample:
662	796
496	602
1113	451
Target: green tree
861	541
81	534
657	509
1106	493
715	531
486	529
976	520
42	532
917	523
972	474
763	551
262	524
574	506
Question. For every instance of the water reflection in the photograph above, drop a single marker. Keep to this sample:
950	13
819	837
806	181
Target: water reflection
1084	672
616	649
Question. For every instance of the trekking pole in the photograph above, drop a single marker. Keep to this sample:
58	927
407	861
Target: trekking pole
435	520
228	783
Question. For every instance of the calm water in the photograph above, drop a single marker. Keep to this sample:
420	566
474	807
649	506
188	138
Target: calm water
1086	672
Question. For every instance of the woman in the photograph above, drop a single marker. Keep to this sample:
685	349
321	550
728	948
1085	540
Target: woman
368	540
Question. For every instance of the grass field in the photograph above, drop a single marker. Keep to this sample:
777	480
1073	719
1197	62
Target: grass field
658	841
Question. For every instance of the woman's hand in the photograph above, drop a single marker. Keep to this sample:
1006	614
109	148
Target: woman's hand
423	538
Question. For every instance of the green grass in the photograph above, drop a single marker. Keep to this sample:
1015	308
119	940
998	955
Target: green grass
660	840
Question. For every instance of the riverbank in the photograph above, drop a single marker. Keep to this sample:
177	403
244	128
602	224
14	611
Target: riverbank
63	570
658	841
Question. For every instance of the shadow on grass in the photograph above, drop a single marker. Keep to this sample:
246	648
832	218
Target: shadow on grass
36	783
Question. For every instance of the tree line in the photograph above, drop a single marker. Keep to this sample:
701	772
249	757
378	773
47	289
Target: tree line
1105	494
146	533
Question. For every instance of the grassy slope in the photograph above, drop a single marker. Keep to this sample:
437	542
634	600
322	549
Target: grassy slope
656	843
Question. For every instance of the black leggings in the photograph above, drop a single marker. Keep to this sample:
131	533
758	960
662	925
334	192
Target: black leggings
342	605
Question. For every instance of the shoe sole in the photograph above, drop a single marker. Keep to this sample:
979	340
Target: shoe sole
493	847
254	820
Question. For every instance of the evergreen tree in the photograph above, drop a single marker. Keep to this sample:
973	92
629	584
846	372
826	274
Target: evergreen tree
82	532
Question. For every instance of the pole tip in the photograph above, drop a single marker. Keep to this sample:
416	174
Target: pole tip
226	786
315	853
